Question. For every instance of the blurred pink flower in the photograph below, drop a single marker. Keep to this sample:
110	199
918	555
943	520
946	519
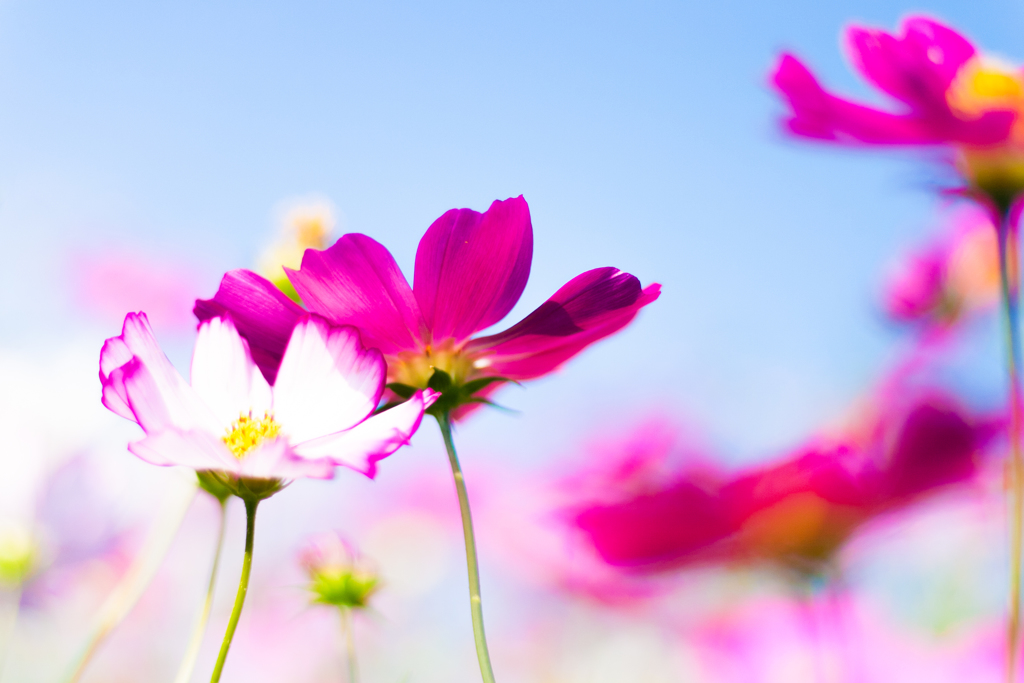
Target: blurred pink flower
113	281
797	511
950	279
948	92
471	269
316	416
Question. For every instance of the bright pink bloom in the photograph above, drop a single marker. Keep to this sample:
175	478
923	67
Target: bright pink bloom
949	279
471	269
799	510
949	94
318	413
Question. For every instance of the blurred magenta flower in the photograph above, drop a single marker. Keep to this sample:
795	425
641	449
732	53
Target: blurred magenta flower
797	511
231	421
949	279
471	269
948	92
113	281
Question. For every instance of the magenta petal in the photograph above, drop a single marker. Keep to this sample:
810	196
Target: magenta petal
916	67
471	268
357	282
588	308
263	315
819	114
936	446
657	528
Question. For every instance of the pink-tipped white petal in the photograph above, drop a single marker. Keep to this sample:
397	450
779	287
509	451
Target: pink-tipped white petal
196	449
373	439
327	382
159	405
224	374
163	395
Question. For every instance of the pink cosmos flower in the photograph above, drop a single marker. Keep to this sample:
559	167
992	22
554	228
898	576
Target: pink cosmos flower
471	269
949	279
798	510
230	421
949	94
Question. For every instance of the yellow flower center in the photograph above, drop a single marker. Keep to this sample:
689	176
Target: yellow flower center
248	432
416	368
983	85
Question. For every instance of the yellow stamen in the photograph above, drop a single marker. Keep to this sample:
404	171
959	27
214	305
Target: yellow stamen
248	432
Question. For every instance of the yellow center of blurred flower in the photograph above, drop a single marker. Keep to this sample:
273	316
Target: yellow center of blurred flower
416	368
984	85
248	432
802	525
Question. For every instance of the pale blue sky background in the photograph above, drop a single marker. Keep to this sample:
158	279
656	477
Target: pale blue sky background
642	134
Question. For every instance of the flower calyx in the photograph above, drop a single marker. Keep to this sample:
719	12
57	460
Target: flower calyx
453	394
221	484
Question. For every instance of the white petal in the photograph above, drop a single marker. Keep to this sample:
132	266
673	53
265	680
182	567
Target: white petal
198	450
275	460
327	382
224	374
373	439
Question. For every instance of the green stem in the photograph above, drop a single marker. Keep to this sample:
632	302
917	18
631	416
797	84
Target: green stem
243	588
1009	278
350	644
476	608
188	662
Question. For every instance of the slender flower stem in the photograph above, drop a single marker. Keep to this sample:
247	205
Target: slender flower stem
350	644
188	662
476	608
243	588
1009	277
139	574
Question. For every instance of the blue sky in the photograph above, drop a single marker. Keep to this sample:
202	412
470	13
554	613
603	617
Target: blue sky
643	135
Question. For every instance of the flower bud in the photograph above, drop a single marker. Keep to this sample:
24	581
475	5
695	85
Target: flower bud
338	574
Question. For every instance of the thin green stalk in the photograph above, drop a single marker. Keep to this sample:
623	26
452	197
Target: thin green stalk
139	574
188	662
1009	278
350	644
243	588
476	608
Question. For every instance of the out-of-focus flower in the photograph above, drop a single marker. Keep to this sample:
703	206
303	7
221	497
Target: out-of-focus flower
306	225
18	554
338	574
950	279
232	424
471	269
950	95
797	511
111	282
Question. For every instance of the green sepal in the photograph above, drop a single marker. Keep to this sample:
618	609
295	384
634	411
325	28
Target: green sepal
455	395
439	381
214	485
403	390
